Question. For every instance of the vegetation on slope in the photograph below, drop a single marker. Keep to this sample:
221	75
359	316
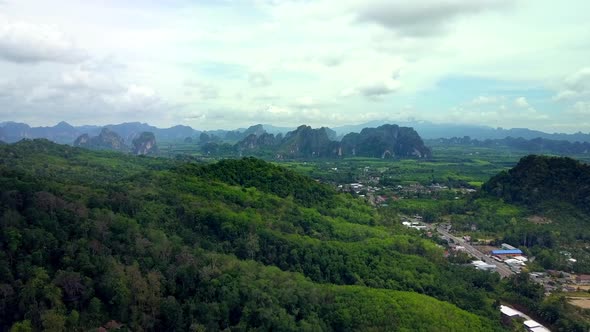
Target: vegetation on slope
88	237
538	179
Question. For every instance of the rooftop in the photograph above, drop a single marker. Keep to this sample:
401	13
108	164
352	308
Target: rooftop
539	329
507	252
509	311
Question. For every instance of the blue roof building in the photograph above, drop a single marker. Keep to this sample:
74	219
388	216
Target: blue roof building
507	252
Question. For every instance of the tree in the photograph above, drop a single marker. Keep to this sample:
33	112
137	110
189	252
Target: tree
53	321
22	326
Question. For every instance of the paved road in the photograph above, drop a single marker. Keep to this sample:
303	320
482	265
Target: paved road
501	268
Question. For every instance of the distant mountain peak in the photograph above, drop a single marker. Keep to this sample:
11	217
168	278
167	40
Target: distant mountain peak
106	140
63	124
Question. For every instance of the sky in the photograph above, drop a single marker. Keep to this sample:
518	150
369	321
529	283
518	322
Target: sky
230	63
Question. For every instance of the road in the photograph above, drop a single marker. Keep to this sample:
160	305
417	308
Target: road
501	268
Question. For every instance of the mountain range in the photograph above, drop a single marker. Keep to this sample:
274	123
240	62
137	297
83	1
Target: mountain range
65	133
430	130
142	144
386	141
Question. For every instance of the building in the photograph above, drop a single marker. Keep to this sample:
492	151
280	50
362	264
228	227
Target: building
506	246
583	279
509	252
514	262
481	265
531	324
509	312
539	329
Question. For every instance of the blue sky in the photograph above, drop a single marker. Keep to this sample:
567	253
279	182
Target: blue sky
233	63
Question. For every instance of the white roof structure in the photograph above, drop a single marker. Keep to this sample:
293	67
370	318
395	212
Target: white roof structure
481	265
513	261
521	258
539	329
531	324
509	311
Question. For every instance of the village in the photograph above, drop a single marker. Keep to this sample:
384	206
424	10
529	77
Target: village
486	255
508	260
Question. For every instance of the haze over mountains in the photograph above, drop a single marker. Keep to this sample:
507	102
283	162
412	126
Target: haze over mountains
66	134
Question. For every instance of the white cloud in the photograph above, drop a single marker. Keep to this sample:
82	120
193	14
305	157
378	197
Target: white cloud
521	102
375	88
575	85
580	108
90	80
44	93
378	89
296	55
135	98
486	100
258	79
422	17
23	42
305	102
204	91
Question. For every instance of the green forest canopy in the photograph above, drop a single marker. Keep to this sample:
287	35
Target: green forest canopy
89	237
155	244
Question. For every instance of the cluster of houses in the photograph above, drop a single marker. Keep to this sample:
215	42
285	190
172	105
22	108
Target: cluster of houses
414	222
357	188
416	188
561	281
511	256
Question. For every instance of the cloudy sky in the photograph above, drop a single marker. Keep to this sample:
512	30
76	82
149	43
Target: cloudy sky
231	63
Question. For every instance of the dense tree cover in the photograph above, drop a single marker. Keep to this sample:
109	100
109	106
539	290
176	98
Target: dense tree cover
554	187
252	172
89	237
538	179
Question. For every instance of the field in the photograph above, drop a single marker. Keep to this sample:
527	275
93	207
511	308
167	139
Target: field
582	302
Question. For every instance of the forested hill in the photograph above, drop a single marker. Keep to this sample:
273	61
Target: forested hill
252	172
539	179
98	238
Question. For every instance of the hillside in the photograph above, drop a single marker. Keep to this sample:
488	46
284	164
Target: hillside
386	141
106	140
145	144
142	144
540	179
89	237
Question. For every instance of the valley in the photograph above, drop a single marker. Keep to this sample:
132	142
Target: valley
356	228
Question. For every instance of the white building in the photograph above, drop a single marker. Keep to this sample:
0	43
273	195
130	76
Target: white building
481	265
